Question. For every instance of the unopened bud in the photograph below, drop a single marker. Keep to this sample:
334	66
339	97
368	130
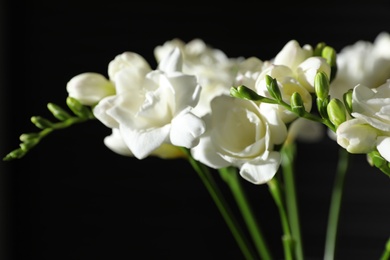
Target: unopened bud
244	93
25	146
330	55
28	136
347	97
78	108
318	49
58	112
273	88
41	122
336	112
321	85
296	104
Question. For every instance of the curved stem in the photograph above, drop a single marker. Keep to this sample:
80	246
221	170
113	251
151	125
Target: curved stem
288	242
230	176
288	156
222	205
335	204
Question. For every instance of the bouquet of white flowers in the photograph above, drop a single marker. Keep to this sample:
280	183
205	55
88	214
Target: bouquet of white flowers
239	118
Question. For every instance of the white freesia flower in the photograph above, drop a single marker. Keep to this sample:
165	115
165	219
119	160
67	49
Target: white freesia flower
131	62
302	63
155	109
370	127
214	70
239	134
364	62
292	54
89	88
248	72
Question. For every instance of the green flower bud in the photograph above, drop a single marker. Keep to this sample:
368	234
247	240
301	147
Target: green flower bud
273	88
318	49
347	97
41	122
15	154
25	146
375	159
321	85
244	93
28	136
297	104
336	112
322	105
58	112
330	55
79	109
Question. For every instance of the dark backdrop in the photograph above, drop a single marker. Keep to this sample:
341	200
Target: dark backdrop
72	198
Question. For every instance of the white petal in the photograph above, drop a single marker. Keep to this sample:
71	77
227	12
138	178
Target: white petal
116	143
142	144
205	153
172	62
261	171
100	112
383	146
186	130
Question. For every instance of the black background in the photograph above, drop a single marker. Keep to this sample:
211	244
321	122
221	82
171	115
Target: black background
72	198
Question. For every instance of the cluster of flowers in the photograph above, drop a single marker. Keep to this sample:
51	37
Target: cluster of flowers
190	100
235	112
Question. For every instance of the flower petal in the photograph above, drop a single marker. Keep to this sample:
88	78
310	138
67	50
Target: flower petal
383	145
262	170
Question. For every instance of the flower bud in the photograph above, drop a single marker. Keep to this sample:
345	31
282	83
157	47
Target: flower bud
244	93
297	104
58	112
321	85
375	159
273	88
318	49
15	154
347	97
79	109
336	112
28	136
330	55
41	122
25	146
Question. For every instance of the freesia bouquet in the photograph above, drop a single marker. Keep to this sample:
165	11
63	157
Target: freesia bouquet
240	118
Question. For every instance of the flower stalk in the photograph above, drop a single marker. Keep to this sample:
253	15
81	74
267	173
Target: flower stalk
223	206
230	176
335	205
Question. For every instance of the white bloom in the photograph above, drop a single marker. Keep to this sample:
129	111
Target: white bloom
308	69
214	70
364	62
292	54
156	109
89	88
239	134
370	127
248	72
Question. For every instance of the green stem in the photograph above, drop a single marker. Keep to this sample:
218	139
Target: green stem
288	156
288	242
230	176
335	205
386	253
222	205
